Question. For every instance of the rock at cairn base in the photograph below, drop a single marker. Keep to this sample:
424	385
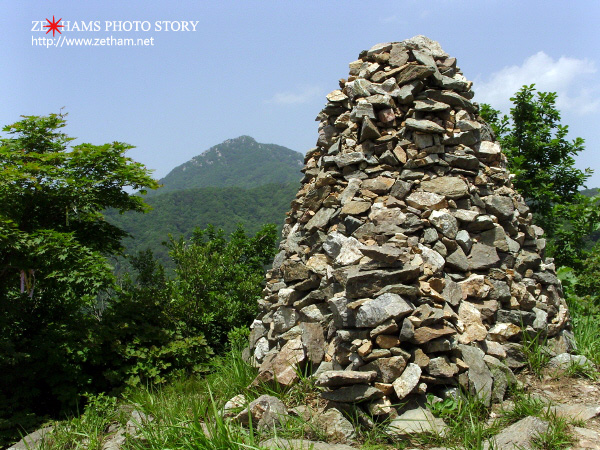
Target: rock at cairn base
408	263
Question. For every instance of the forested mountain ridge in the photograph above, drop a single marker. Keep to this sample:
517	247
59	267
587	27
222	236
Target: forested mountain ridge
239	181
179	212
590	192
240	162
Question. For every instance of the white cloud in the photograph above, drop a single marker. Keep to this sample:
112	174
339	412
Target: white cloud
301	95
393	20
571	78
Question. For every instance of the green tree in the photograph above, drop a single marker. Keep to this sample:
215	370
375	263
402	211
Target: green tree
156	326
53	247
218	282
542	160
140	338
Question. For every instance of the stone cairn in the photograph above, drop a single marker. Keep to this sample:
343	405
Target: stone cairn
409	265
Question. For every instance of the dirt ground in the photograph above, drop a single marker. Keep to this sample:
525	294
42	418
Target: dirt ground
565	389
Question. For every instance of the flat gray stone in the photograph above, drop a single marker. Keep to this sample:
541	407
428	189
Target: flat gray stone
441	367
480	376
360	87
33	440
387	369
362	110
426	200
383	308
264	412
335	426
343	316
320	219
346	159
284	366
405	94
515	317
432	258
425	45
411	72
483	257
284	319
430	106
368	282
502	376
586	439
368	130
407	381
519	435
313	339
418	420
398	55
527	260
449	97
564	360
386	253
426	126
499	205
452	293
337	378
301	444
458	260
450	187
445	223
353	394
577	411
495	237
343	250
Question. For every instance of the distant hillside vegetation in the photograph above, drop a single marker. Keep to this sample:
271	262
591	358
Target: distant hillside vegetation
178	213
590	192
240	162
593	238
237	181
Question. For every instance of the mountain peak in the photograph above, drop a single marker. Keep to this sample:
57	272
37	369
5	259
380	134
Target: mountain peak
244	139
240	162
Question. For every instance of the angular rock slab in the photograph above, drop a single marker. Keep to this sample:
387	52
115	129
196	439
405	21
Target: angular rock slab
353	394
565	360
520	435
301	444
409	379
576	412
264	412
33	440
417	420
337	378
586	439
480	376
284	366
335	426
381	309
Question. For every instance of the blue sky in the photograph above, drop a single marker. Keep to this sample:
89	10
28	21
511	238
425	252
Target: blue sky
263	68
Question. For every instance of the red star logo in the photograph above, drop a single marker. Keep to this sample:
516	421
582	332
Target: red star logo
53	26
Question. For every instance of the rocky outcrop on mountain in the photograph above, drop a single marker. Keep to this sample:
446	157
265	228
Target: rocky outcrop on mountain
241	162
408	264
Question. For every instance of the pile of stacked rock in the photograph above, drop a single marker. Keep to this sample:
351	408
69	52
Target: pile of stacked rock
409	265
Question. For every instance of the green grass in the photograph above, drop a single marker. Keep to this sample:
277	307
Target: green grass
556	437
536	351
466	417
87	430
186	414
587	335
